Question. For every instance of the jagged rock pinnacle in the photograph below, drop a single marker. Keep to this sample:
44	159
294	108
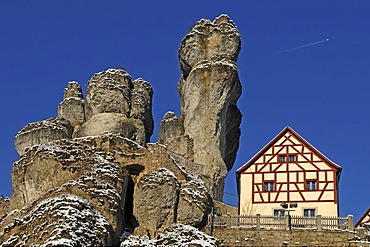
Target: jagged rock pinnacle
207	131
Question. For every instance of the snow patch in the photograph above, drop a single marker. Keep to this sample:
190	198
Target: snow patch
160	176
177	235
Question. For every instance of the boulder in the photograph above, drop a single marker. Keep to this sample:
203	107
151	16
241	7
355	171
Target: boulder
42	132
155	201
90	176
82	168
109	91
194	201
115	123
63	220
128	102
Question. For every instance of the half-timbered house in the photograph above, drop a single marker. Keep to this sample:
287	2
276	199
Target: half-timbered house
365	218
289	170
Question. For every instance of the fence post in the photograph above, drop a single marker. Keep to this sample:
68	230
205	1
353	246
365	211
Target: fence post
351	226
258	223
286	222
318	222
228	221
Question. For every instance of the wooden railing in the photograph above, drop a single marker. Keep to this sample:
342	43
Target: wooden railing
270	222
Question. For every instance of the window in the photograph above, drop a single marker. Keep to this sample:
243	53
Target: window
279	213
281	158
310	185
292	158
309	212
269	186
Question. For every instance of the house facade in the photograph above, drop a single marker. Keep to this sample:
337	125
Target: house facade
290	171
365	219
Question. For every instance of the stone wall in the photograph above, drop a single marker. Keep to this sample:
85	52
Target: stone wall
274	237
225	209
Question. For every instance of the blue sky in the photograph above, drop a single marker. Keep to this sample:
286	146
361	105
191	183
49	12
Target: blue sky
321	91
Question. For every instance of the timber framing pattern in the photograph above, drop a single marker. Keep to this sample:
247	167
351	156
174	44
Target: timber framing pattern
290	169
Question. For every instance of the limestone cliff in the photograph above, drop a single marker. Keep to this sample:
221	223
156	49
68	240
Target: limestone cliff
90	176
207	131
114	103
83	178
110	181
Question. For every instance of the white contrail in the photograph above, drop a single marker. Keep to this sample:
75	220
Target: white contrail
299	47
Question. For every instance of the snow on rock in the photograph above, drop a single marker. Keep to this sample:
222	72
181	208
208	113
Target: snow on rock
159	177
4	206
177	235
155	201
195	203
72	108
139	241
84	167
129	104
66	220
208	39
98	169
53	164
116	123
42	132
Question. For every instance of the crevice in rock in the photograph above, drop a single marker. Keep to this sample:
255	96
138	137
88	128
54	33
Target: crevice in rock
134	169
176	206
130	221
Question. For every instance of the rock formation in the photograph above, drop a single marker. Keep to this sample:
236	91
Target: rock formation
90	176
207	131
114	103
112	180
42	132
72	108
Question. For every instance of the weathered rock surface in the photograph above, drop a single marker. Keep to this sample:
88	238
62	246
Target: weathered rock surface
194	200
65	220
172	135
207	131
113	179
141	105
156	195
113	91
115	123
4	205
208	39
79	167
175	235
72	108
109	91
114	103
42	132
